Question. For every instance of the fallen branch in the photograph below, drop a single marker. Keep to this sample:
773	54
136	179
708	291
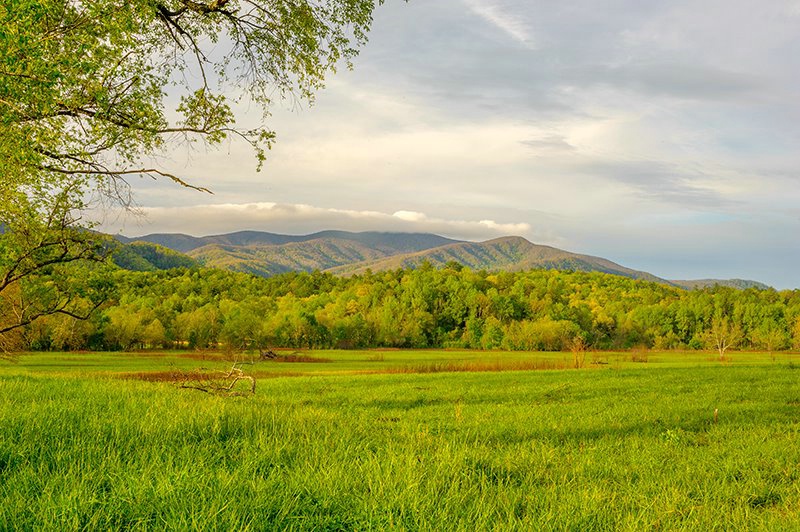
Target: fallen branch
225	384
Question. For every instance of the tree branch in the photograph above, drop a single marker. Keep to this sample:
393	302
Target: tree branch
114	173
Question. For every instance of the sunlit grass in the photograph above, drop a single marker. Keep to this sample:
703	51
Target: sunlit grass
311	362
619	445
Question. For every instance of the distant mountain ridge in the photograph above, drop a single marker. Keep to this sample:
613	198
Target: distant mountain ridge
401	242
347	253
741	284
512	253
266	260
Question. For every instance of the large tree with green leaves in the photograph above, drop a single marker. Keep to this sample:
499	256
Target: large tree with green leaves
85	88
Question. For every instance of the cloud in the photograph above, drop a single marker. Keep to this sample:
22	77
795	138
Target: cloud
303	219
671	78
549	143
495	14
410	216
663	182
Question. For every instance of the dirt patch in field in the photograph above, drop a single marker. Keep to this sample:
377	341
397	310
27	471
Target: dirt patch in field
197	376
204	356
166	376
299	357
259	371
222	357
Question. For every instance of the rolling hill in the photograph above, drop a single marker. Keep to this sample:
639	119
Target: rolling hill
507	254
741	284
345	253
394	242
145	257
266	260
266	254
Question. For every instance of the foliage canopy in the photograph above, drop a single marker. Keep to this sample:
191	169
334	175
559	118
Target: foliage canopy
91	93
85	86
425	308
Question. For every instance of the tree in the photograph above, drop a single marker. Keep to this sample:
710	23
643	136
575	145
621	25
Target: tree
794	332
84	88
42	262
154	334
82	84
769	336
723	335
578	347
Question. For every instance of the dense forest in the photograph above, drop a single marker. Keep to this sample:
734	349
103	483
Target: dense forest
201	308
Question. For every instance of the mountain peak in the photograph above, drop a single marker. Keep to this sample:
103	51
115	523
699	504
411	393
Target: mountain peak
516	240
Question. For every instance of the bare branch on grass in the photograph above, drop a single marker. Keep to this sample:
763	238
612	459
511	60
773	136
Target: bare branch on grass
222	383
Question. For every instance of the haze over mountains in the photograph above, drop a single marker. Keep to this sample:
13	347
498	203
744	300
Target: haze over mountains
346	253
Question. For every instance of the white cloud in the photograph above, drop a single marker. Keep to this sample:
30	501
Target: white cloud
304	219
496	15
409	216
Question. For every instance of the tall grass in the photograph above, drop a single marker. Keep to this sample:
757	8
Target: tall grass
583	450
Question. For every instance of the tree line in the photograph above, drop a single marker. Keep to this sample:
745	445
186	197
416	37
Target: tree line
424	308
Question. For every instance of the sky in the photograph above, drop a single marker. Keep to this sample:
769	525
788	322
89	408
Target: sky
662	135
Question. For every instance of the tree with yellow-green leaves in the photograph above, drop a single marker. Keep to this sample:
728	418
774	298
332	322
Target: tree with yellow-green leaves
84	90
723	334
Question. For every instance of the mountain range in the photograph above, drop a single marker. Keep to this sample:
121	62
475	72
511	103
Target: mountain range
346	253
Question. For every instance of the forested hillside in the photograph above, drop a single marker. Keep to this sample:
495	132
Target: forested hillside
511	253
268	254
346	253
426	307
398	242
145	257
266	261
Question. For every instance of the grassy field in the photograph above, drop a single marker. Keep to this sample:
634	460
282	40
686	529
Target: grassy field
408	440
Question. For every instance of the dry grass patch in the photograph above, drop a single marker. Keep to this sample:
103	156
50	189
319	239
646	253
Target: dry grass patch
166	376
233	381
480	366
299	357
205	356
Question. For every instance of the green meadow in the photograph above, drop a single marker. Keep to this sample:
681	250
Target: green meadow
404	440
